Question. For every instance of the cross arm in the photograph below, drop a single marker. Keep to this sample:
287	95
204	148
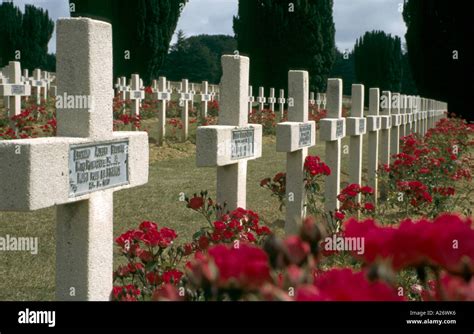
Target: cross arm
35	173
293	136
15	90
215	144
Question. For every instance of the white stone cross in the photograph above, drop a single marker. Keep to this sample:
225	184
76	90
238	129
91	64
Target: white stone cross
117	85
396	123
312	101
261	98
425	116
38	85
154	86
4	81
409	108
229	145
403	110
319	100
420	115
431	113
356	128
324	100
213	93
205	98
386	120
281	102
14	90
185	97
26	77
46	77
135	95
332	129
272	100
423	112
79	170
373	127
162	95
295	137
251	99
416	110
123	88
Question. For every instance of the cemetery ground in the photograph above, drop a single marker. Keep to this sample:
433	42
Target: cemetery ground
31	277
173	171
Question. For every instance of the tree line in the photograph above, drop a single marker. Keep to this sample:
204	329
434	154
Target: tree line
277	35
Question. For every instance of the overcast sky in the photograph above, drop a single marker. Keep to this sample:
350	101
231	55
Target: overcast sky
352	17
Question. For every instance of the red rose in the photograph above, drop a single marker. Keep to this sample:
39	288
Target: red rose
427	197
215	236
263	230
264	182
196	203
250	237
228	234
188	249
369	207
153	278
296	249
172	276
219	226
147	225
247	265
167	292
145	256
203	242
125	240
346	285
366	190
280	177
339	215
424	171
152	238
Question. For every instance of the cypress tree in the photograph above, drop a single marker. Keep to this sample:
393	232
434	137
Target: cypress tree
378	61
280	35
37	30
142	31
441	51
25	36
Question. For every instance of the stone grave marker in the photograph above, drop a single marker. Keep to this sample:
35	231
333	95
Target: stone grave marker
356	128
184	99
14	90
332	129
229	145
135	95
272	99
373	128
295	137
281	102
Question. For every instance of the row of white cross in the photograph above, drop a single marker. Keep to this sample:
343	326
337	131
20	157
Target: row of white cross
163	90
14	86
79	170
229	145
